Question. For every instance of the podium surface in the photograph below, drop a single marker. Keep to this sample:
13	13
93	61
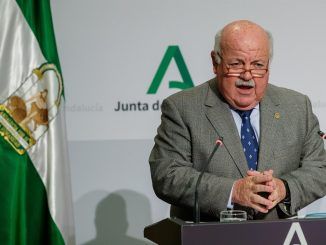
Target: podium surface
294	231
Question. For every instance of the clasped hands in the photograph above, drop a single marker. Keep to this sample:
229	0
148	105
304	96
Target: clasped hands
248	191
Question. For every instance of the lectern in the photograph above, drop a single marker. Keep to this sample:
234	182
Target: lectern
174	231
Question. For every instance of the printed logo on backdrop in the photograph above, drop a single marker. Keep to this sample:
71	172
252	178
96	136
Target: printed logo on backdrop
171	53
295	229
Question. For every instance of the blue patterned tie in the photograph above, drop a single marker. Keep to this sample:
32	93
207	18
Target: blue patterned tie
248	140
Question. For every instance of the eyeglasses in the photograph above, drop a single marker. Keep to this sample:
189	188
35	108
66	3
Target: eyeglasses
236	69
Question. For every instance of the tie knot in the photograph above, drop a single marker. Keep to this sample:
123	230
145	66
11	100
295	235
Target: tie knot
244	114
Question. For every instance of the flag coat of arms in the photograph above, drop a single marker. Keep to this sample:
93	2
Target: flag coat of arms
35	201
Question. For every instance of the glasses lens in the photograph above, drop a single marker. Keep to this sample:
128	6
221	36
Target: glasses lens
254	72
258	72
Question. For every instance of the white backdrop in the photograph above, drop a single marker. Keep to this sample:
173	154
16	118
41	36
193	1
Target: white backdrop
110	51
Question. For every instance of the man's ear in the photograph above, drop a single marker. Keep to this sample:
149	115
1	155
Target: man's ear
214	63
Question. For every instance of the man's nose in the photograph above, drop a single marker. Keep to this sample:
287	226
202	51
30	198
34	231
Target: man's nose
246	75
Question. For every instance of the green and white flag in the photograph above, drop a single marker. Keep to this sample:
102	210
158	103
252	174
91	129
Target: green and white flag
35	197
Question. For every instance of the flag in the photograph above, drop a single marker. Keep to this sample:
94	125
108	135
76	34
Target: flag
35	196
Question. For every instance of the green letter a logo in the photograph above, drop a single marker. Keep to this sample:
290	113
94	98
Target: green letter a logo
171	52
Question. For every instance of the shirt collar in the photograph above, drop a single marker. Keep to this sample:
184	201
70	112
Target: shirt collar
255	108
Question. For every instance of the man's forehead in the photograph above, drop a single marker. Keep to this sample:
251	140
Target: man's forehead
244	46
245	41
242	26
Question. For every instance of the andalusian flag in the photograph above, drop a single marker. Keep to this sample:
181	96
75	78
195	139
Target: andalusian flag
35	196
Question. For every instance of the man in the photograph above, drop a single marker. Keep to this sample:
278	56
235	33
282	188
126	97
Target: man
272	162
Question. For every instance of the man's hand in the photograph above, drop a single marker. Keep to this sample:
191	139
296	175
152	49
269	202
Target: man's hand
279	191
246	191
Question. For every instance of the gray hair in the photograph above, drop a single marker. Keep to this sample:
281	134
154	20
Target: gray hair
217	45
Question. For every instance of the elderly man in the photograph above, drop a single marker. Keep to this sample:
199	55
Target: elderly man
272	162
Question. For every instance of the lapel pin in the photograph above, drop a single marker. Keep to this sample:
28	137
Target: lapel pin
277	115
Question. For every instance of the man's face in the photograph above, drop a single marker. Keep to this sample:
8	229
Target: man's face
250	50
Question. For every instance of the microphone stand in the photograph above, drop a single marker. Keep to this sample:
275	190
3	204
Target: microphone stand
218	143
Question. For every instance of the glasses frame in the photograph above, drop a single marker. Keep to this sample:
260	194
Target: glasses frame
243	70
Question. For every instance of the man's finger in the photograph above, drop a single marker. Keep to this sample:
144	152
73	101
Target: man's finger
257	199
273	196
268	172
271	206
262	188
258	179
271	183
260	208
260	204
253	173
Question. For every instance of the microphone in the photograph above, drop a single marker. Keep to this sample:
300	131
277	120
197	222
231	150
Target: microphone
322	134
218	143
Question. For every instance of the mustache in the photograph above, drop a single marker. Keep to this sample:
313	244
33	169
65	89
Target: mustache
240	83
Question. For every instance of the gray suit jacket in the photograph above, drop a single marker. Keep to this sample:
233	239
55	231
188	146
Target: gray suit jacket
193	119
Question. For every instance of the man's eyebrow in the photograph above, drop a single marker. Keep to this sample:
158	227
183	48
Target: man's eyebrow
260	60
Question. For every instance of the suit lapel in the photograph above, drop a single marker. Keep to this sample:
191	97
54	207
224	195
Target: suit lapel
218	113
269	115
